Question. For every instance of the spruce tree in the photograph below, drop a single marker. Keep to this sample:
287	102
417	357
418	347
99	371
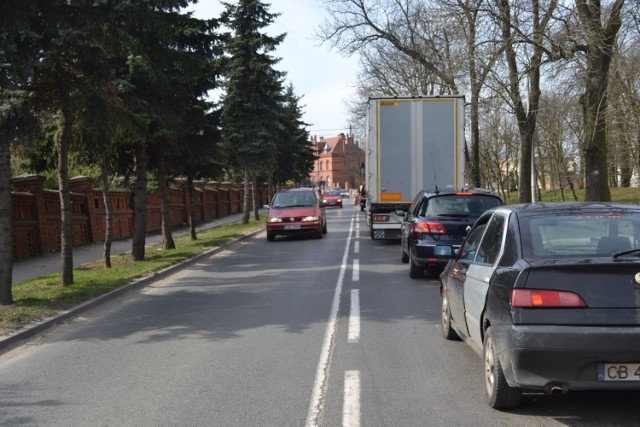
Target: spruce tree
254	91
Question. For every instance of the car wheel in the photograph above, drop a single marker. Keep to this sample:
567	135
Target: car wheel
415	272
447	330
271	237
324	228
403	254
319	233
499	394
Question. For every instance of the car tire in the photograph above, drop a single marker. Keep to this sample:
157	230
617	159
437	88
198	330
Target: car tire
404	257
499	394
271	237
447	330
415	272
319	233
324	228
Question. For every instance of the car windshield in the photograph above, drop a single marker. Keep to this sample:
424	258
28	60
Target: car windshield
292	199
335	193
458	205
584	235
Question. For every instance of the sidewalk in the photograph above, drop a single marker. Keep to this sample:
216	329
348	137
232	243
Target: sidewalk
42	265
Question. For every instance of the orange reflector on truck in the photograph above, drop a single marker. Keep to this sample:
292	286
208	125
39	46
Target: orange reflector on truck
390	197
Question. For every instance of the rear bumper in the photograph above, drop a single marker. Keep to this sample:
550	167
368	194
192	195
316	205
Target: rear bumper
535	357
424	257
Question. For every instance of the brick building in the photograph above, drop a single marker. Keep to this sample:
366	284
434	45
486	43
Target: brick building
339	162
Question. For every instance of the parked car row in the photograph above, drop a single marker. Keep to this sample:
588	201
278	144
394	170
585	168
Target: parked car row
547	294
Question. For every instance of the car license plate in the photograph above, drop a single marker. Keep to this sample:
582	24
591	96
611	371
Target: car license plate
618	371
292	227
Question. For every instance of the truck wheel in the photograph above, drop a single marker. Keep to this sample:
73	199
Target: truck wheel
499	394
371	233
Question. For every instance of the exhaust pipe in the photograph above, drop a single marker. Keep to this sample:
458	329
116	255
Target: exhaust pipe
556	388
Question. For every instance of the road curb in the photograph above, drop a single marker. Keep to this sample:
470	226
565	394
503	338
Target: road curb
11	341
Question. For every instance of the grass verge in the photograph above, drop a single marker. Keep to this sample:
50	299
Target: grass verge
42	298
618	195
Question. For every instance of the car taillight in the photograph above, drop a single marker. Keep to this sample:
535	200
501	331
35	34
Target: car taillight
535	298
429	227
381	218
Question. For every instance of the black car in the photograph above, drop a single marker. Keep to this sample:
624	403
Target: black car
549	296
436	225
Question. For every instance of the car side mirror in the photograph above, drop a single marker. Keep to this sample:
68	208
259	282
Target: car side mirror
266	206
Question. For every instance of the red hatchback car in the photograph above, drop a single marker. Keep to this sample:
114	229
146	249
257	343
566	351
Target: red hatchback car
332	198
296	211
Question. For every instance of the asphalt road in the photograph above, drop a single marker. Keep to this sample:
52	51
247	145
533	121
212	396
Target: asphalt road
318	332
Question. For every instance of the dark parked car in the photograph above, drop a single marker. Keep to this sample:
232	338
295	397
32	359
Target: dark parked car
549	296
296	211
436	225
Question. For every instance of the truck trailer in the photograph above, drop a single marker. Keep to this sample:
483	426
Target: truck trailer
412	143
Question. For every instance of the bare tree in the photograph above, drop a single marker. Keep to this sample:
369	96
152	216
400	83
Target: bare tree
598	48
524	38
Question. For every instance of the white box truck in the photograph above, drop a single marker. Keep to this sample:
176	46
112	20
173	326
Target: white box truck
412	143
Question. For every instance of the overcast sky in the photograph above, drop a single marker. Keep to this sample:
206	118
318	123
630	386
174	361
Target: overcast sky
322	76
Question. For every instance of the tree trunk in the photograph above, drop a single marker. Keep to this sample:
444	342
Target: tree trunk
6	233
192	208
254	192
108	208
246	211
140	204
594	100
165	207
66	224
526	116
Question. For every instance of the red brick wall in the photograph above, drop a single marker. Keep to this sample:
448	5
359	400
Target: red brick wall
36	211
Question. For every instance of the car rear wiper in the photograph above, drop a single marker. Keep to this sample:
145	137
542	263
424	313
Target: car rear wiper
629	252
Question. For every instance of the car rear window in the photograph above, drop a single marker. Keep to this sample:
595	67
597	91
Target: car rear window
459	205
579	235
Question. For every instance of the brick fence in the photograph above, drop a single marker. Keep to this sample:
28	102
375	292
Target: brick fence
36	211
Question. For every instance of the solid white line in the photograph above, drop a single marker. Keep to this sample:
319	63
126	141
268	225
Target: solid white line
356	247
353	335
316	405
355	273
351	405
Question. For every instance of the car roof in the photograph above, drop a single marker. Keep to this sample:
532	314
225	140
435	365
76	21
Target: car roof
555	208
286	190
475	191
